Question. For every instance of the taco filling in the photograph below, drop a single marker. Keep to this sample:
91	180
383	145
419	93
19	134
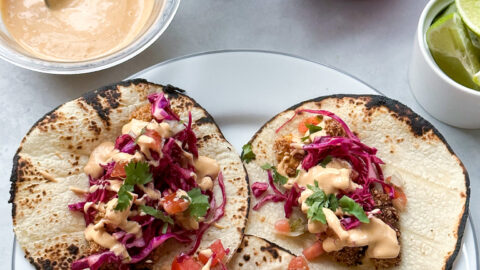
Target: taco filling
148	186
337	183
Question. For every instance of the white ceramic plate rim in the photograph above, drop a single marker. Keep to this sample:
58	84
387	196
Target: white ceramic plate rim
139	75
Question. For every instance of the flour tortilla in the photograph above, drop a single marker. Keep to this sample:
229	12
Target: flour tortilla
52	155
435	181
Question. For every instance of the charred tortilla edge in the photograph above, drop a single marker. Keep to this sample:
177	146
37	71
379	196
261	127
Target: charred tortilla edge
418	126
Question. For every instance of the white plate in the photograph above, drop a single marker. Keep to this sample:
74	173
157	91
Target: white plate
243	89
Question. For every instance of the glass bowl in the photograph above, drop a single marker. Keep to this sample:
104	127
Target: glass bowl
162	15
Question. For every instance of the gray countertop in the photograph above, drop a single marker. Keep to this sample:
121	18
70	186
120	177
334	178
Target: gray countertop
370	39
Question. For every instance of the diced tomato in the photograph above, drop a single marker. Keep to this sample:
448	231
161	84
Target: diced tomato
203	258
217	251
298	263
302	128
282	226
173	205
156	137
313	251
399	197
119	170
187	263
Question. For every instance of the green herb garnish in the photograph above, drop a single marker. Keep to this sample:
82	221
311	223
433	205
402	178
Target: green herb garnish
277	177
313	128
137	174
247	153
164	228
350	206
325	161
296	224
156	214
319	200
198	203
144	129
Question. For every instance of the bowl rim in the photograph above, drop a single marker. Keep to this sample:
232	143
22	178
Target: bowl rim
81	67
421	39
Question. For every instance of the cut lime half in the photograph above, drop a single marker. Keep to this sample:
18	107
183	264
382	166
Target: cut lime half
453	50
469	10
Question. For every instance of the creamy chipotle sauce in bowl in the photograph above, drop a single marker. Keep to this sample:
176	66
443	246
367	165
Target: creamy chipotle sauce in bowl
75	30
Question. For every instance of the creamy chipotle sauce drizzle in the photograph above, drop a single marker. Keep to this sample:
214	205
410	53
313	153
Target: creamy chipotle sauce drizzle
75	30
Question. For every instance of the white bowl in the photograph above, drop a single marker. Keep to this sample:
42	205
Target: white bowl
442	97
162	15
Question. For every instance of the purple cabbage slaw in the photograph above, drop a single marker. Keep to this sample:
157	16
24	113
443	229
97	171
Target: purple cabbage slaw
361	157
172	173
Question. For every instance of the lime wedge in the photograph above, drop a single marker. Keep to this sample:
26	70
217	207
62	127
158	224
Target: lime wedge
453	51
469	10
450	9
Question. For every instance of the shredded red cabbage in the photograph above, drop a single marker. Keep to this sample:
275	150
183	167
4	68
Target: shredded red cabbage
259	188
188	137
157	241
95	261
126	144
290	197
350	223
161	109
361	157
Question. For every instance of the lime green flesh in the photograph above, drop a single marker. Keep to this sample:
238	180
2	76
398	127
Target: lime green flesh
469	10
453	50
450	9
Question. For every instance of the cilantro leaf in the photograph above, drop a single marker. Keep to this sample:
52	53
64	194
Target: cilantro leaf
156	213
313	128
267	166
144	129
198	204
317	196
124	197
315	213
350	206
137	174
319	200
332	202
277	177
164	228
325	161
247	153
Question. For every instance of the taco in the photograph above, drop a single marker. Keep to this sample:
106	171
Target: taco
131	176
356	182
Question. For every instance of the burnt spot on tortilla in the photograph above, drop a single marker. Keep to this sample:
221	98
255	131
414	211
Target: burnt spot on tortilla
205	120
270	249
172	91
94	99
246	257
93	126
72	249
